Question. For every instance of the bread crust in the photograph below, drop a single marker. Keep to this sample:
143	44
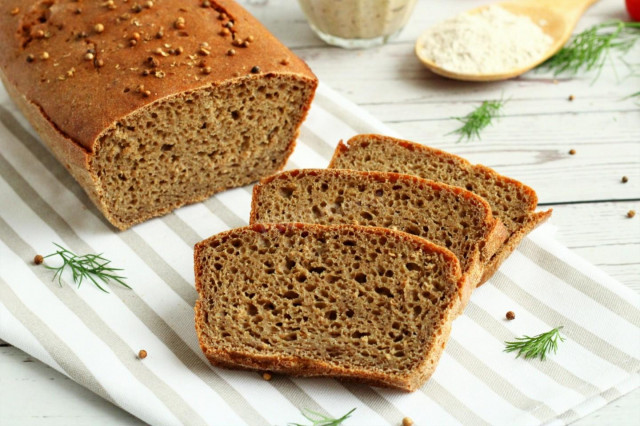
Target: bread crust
493	255
306	367
494	238
73	103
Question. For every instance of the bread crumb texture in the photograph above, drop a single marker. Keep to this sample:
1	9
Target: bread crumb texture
447	216
190	146
346	301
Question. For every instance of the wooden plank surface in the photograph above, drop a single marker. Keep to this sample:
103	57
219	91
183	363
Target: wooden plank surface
530	142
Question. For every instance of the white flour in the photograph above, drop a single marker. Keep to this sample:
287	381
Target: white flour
490	42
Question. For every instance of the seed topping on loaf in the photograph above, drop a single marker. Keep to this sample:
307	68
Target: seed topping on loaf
116	40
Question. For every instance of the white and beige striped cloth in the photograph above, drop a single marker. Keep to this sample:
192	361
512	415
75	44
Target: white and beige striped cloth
94	337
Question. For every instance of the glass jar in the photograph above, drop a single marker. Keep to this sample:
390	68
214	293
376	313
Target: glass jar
354	24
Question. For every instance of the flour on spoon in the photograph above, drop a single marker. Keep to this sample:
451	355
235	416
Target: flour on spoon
493	41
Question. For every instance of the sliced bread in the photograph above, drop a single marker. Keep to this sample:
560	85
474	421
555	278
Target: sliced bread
446	215
353	302
511	201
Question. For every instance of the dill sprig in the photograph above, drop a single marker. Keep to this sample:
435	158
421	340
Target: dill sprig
591	48
478	119
94	267
536	346
318	419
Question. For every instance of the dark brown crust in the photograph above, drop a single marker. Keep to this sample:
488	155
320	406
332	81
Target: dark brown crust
94	100
512	240
496	232
299	366
512	243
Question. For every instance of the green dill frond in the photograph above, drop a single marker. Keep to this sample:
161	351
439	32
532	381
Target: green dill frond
537	346
478	119
93	267
318	419
590	49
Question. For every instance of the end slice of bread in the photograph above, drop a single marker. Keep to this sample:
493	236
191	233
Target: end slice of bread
511	201
352	302
449	216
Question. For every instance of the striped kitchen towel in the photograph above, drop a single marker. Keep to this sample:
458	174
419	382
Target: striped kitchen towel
94	337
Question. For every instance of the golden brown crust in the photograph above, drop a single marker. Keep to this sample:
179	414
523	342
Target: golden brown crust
512	243
299	366
95	97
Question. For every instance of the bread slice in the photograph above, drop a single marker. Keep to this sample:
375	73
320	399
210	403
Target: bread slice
446	215
345	301
511	201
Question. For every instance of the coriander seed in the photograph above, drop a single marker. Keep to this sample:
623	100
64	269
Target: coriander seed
142	354
407	421
99	63
206	3
266	376
206	70
572	152
179	24
631	213
511	315
99	28
44	56
148	4
88	56
255	70
625	179
38	259
30	58
571	98
231	52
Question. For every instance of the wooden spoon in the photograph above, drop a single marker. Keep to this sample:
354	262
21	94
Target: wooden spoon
561	17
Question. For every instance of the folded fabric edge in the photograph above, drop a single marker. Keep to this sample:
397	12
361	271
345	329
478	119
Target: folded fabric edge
597	401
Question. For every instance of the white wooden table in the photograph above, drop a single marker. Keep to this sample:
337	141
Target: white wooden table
530	143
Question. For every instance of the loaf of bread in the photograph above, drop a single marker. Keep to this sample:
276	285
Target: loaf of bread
449	216
345	301
152	105
511	201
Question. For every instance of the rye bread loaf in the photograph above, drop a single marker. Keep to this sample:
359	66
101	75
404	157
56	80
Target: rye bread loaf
345	301
513	202
152	105
445	215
